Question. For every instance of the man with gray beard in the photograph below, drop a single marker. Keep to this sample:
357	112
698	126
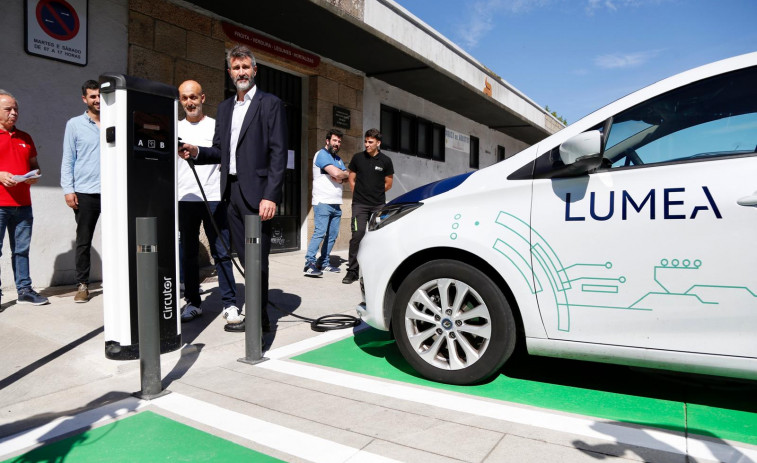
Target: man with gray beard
250	143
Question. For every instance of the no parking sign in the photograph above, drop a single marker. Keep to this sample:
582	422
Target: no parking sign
57	29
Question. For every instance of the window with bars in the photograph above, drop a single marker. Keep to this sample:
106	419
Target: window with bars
409	134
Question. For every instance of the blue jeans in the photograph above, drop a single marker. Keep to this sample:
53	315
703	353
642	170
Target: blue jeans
326	217
18	221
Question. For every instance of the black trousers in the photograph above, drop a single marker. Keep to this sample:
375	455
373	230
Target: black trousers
86	220
361	214
193	214
238	208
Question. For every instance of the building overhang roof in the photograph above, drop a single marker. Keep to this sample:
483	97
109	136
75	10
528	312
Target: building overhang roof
321	28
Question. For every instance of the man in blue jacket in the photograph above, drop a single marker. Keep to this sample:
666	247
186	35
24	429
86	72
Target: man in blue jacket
250	143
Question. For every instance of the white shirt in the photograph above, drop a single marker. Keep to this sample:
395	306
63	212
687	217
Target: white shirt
237	118
325	189
199	134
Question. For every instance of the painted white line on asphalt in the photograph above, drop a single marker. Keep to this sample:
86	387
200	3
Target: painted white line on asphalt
68	424
700	448
313	343
667	441
271	435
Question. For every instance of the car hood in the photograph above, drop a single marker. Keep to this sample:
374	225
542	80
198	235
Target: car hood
431	189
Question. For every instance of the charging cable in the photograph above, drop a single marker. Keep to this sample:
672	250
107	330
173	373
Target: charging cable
320	324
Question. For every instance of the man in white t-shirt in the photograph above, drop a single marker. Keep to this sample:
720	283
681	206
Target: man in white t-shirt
329	172
198	129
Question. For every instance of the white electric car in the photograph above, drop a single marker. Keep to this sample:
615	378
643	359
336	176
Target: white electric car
628	237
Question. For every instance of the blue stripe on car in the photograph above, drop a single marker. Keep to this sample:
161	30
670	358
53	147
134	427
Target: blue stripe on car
431	189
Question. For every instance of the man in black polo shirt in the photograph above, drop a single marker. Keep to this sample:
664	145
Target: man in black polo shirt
371	174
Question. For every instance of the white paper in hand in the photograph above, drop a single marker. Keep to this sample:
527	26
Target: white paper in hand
31	174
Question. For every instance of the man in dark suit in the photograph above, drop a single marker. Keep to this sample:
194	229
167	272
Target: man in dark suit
252	126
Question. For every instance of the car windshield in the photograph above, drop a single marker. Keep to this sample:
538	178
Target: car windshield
715	117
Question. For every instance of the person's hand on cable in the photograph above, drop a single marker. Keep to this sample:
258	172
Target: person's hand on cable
187	151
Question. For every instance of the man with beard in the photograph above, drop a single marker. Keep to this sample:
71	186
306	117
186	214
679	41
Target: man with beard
329	172
199	129
250	143
18	156
80	180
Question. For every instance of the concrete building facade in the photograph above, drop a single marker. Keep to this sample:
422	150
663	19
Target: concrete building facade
371	64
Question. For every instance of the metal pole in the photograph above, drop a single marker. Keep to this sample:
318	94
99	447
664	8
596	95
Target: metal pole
147	308
253	330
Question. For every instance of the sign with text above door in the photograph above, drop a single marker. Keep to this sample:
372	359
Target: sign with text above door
267	44
57	29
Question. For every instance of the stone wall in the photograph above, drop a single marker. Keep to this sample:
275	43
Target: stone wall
169	43
334	86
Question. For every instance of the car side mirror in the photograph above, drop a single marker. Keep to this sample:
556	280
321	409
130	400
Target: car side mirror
580	154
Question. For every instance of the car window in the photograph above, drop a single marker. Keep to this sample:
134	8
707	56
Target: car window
711	118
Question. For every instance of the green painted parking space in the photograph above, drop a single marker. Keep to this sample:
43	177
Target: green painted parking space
145	436
714	407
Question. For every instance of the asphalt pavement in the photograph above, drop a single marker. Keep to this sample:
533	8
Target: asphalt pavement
55	381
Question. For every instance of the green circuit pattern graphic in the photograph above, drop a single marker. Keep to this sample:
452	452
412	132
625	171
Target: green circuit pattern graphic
691	291
525	248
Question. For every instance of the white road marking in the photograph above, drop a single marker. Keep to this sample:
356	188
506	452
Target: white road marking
312	343
68	424
646	437
271	435
317	449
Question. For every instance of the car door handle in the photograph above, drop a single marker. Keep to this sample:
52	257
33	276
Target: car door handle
750	200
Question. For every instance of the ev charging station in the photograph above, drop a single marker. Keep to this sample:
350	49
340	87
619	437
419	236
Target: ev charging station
138	146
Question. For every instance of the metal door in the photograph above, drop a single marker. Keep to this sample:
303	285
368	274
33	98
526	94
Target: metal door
285	235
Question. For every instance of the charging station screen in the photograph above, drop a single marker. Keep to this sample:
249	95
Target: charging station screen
152	132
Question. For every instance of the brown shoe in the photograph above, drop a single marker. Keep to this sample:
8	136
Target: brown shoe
82	294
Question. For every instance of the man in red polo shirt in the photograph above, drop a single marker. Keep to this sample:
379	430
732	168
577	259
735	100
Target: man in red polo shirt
18	156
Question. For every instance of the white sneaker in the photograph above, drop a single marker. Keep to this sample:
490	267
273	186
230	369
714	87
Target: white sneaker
190	312
232	315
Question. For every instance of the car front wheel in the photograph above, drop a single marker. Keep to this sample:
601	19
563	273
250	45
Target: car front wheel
452	323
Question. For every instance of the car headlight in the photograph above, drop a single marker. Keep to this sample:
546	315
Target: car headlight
390	213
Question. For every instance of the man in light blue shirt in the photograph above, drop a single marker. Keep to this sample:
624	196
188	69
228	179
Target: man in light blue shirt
80	180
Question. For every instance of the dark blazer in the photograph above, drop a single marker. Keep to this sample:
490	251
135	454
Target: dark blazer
261	151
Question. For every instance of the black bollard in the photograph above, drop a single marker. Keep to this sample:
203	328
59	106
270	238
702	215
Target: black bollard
147	308
253	330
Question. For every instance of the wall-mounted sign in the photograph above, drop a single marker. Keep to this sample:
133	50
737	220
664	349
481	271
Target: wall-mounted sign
270	45
57	29
457	141
341	117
